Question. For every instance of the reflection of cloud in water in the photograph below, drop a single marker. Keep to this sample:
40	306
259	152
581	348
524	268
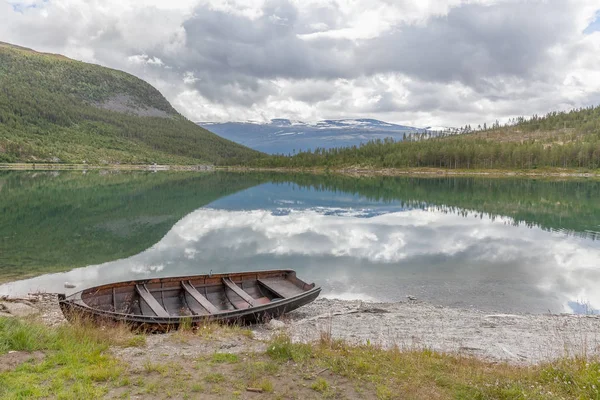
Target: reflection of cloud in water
147	269
439	257
312	232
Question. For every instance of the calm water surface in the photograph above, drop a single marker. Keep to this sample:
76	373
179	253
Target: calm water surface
503	245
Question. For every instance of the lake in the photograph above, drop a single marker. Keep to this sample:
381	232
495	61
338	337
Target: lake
502	245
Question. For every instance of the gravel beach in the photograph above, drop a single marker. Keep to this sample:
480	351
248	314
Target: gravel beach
520	339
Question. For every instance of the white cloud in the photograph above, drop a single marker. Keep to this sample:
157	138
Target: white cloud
145	59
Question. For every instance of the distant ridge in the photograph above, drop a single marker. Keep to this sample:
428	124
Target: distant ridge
284	136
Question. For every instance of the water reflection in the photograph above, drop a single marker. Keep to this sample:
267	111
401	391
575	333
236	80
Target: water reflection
366	249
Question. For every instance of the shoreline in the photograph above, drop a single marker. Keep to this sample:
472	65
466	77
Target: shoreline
518	339
347	171
427	172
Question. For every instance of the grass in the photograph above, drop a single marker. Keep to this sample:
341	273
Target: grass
216	377
225	358
78	364
320	385
282	349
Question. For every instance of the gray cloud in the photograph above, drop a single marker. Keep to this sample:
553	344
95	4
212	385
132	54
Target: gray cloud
474	43
439	64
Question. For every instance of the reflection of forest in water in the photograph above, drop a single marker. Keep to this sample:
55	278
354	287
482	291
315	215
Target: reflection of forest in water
58	221
569	206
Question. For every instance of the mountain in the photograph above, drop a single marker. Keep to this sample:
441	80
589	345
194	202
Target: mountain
557	140
54	109
283	136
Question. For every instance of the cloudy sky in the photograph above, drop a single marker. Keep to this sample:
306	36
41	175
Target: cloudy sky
426	62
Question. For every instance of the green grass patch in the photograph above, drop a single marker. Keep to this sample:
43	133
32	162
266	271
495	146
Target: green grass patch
320	385
18	336
76	364
283	349
225	358
216	377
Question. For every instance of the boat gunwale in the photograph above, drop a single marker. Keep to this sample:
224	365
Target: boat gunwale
180	278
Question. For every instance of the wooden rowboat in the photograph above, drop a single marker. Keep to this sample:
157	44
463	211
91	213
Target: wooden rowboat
165	303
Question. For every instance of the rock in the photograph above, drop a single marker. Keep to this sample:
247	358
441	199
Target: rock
70	285
6	315
411	298
275	324
375	310
18	309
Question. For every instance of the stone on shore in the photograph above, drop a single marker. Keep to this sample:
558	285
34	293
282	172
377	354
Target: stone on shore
275	324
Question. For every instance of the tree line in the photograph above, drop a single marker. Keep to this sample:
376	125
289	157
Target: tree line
558	139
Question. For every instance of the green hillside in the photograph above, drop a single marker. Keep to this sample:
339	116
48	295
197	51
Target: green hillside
56	109
557	140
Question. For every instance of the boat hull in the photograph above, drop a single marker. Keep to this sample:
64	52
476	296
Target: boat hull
75	308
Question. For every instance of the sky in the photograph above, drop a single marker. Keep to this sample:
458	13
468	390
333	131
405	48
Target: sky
419	63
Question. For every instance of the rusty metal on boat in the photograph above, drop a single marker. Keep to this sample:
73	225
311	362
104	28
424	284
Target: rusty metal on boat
165	303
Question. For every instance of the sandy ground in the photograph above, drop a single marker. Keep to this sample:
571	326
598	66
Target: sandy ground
520	339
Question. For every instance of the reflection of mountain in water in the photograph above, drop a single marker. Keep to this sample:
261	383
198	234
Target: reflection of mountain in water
57	221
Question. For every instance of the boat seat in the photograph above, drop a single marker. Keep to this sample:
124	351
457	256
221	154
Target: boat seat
151	302
270	288
240	292
198	297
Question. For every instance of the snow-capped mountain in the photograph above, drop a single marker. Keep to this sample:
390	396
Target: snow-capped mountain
287	136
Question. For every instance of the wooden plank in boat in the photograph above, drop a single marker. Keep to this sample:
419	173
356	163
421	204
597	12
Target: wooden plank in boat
283	287
154	305
270	287
196	295
240	292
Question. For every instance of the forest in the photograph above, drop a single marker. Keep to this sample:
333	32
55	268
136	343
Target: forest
53	109
556	140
